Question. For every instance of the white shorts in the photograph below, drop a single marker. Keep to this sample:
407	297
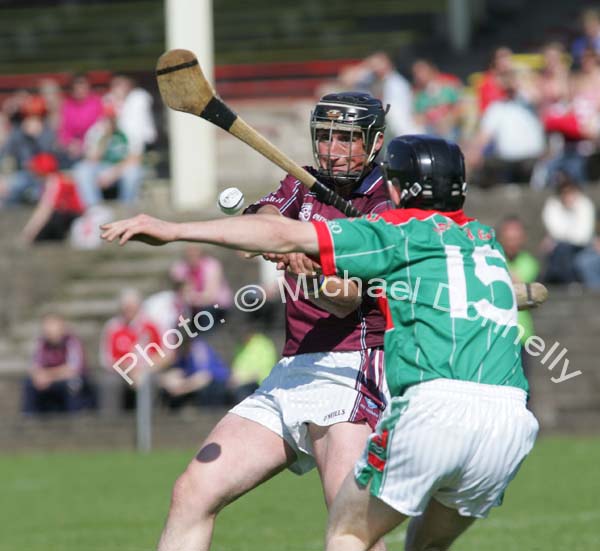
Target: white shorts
321	388
456	441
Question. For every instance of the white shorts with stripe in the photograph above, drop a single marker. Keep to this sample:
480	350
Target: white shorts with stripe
321	388
458	442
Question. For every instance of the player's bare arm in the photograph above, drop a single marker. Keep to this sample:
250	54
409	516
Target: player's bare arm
337	297
275	234
269	233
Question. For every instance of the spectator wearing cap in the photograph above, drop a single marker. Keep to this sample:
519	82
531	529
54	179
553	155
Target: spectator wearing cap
81	108
31	134
109	163
58	206
57	380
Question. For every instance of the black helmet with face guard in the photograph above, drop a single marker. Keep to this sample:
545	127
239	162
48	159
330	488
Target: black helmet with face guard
357	113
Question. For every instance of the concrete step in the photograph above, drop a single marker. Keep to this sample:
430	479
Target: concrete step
124	268
90	431
95	288
89	308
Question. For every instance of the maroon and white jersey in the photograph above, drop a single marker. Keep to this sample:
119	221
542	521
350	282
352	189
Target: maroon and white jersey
308	327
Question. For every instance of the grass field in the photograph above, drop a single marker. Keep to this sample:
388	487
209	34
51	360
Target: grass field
118	501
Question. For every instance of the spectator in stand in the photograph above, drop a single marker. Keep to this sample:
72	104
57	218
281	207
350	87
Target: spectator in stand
271	287
120	336
491	89
133	106
251	365
50	90
377	75
198	375
29	136
79	111
206	286
509	141
569	220
437	100
58	206
590	39
523	268
108	163
164	307
57	380
577	121
552	82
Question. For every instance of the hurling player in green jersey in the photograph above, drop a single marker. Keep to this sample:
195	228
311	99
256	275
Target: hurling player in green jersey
457	429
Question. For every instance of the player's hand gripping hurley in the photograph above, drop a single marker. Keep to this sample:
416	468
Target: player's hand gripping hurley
183	87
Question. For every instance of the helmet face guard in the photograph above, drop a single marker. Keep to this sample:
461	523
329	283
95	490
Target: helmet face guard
429	172
357	115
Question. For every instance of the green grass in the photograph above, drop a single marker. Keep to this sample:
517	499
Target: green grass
118	501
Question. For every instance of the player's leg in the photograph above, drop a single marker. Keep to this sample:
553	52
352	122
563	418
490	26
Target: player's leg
237	456
357	519
436	528
336	450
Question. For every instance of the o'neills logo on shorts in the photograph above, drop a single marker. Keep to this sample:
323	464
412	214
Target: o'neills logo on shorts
333	414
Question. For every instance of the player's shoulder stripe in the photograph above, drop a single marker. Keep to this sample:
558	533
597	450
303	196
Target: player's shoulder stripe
403	216
373	185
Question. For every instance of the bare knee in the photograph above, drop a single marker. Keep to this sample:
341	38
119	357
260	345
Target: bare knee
418	540
196	496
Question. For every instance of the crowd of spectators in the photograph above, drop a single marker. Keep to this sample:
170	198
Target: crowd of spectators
529	119
67	152
192	373
523	119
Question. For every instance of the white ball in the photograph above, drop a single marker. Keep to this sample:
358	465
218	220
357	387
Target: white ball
231	200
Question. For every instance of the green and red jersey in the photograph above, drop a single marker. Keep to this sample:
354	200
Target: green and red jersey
447	295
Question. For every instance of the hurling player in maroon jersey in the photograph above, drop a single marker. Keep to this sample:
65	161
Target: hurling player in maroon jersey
322	400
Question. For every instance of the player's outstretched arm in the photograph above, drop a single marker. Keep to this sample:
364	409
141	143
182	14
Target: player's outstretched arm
268	233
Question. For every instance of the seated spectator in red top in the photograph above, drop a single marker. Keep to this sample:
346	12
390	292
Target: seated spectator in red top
80	110
58	206
198	376
57	379
206	285
119	338
490	89
436	99
30	134
577	121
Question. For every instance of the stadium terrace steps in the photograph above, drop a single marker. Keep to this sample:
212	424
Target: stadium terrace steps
44	276
130	35
90	432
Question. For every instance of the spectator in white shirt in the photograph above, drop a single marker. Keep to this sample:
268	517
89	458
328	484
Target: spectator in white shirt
570	220
509	141
377	75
